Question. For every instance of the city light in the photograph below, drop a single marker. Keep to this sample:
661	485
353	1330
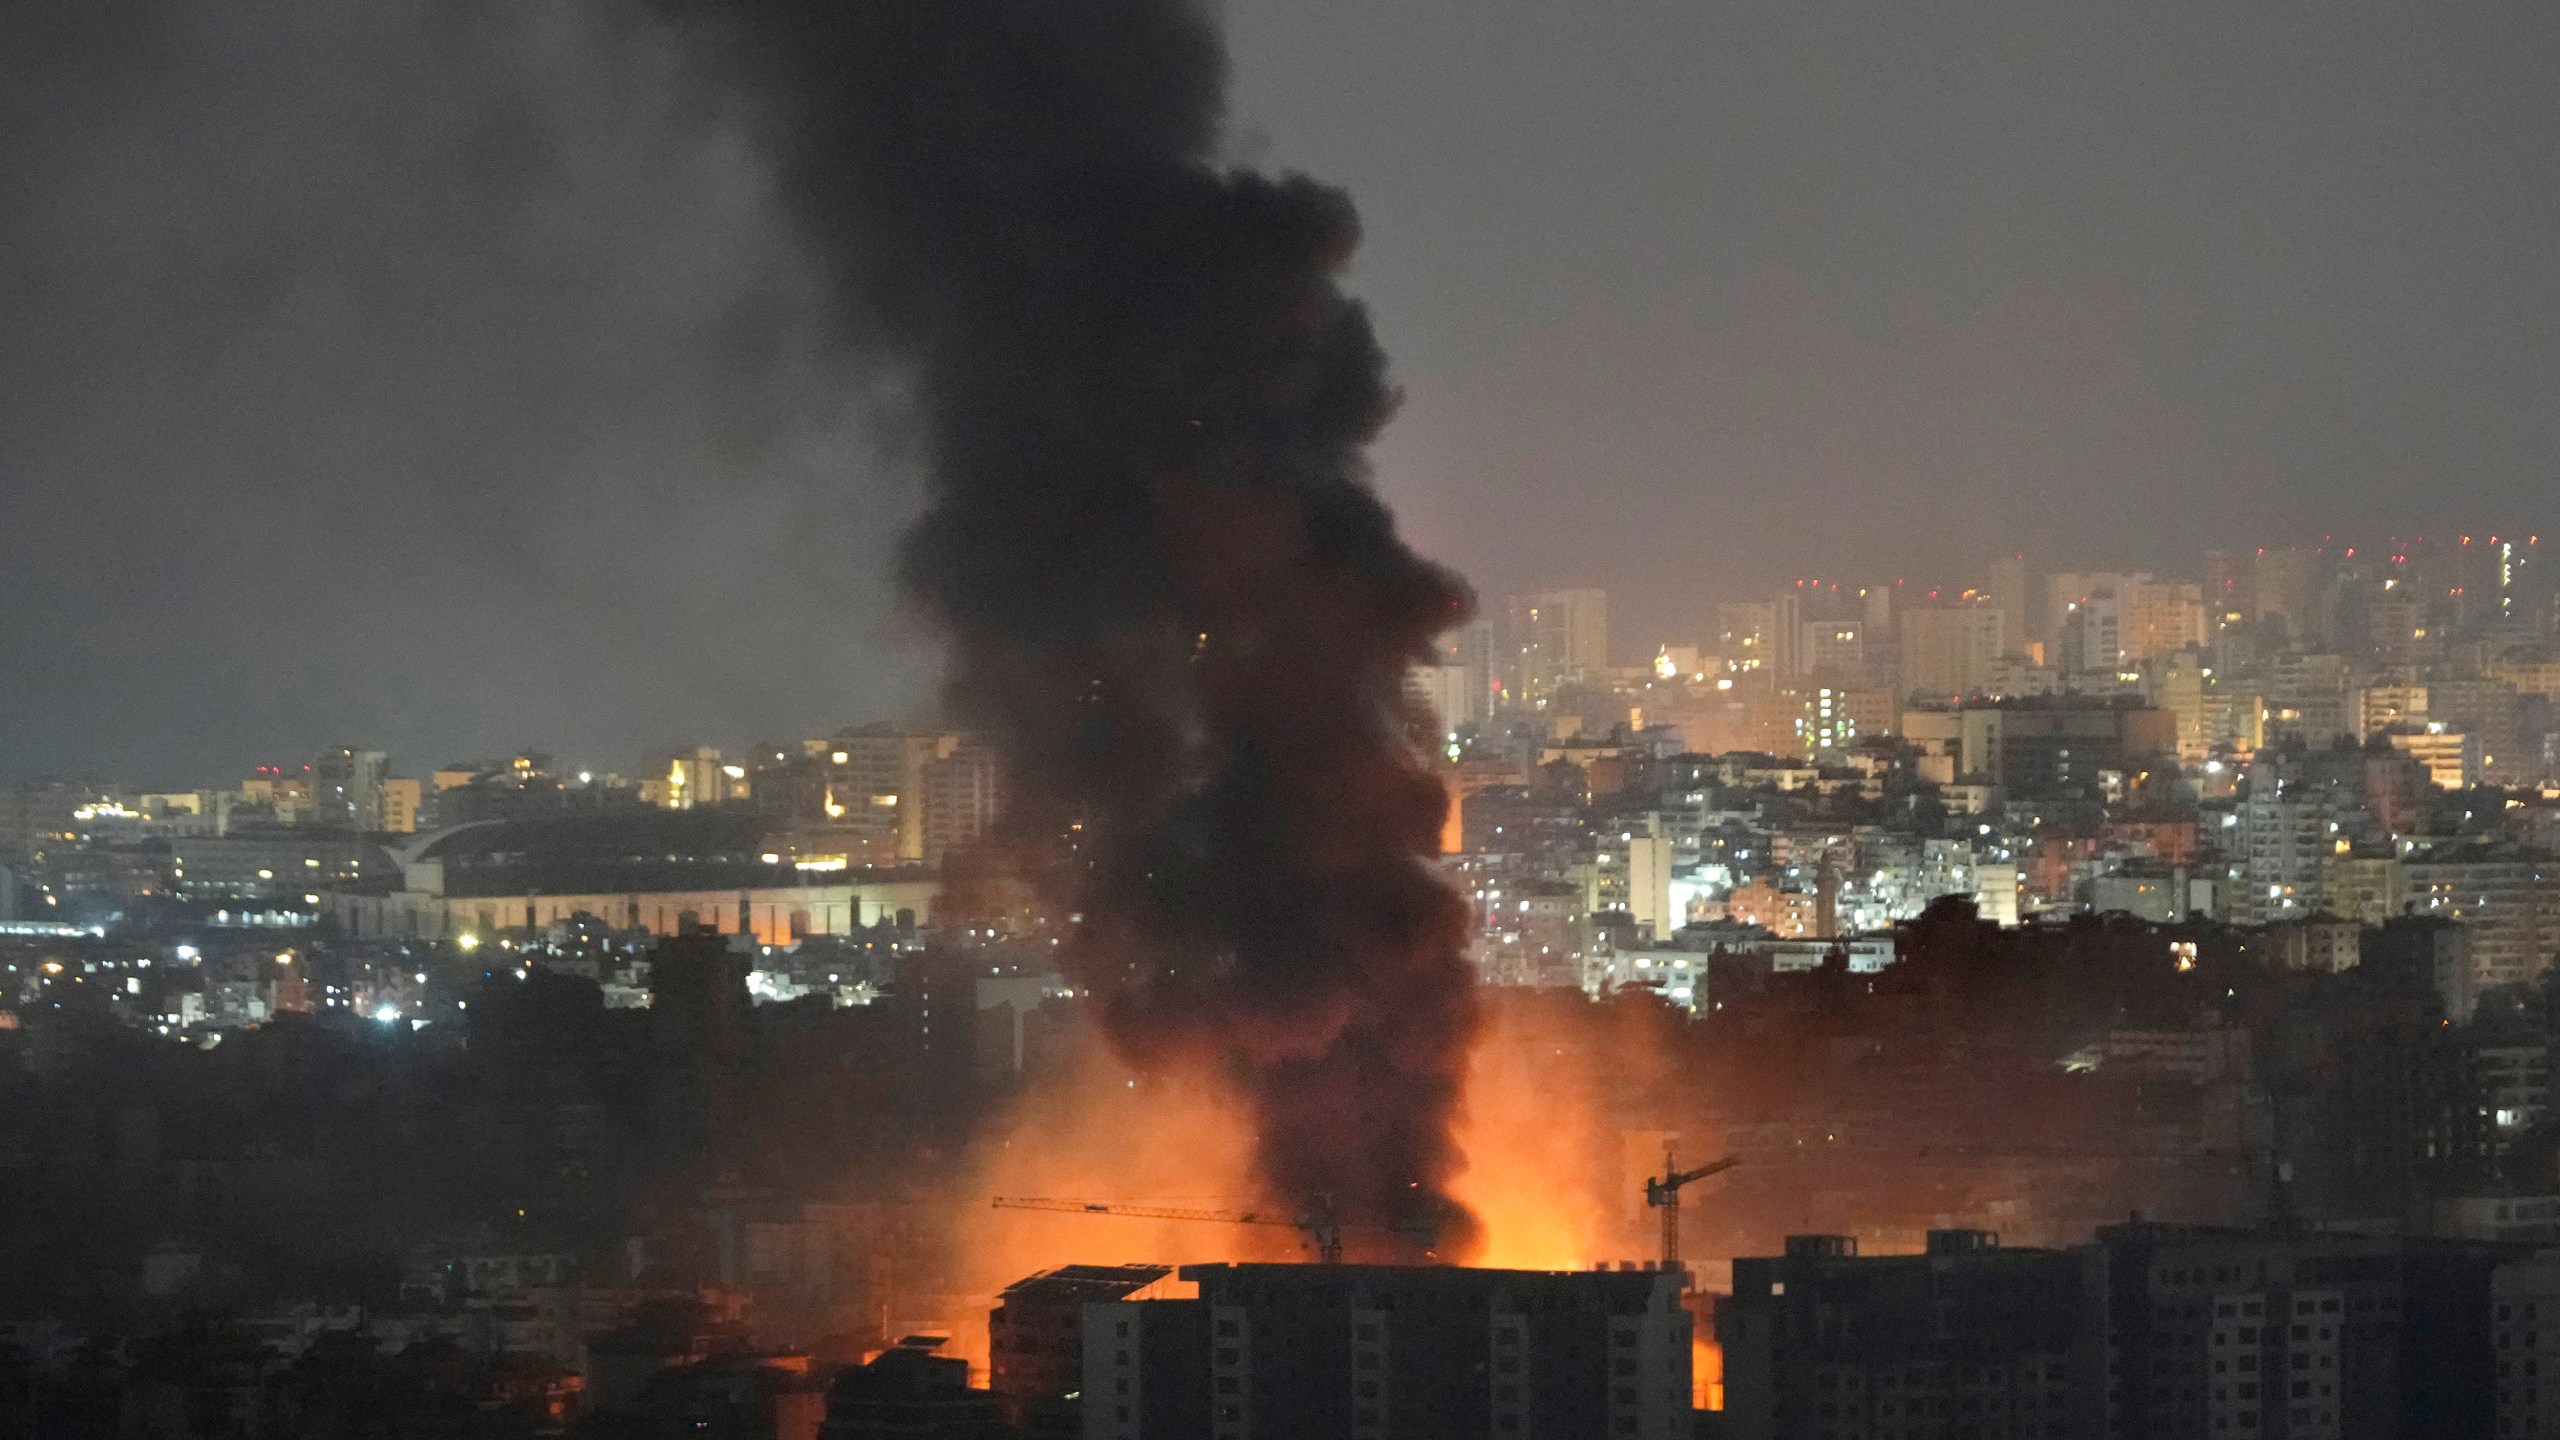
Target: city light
1809	1021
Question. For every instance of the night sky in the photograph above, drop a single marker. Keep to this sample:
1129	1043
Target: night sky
446	376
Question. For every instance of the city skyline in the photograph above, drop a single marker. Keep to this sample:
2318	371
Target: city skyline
843	719
1628	648
1950	304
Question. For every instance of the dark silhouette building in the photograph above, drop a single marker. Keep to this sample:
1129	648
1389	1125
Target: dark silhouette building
1036	1340
1964	1339
2154	1331
907	1392
1311	1352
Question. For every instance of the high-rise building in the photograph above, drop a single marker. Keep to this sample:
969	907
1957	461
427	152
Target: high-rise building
2311	698
2006	585
2095	634
1035	1343
2527	673
2052	611
1876	607
1558	638
691	777
1833	650
1747	633
1346	1352
2179	687
876	782
2289	835
2508	900
2523	580
400	801
2521	1290
2230	587
347	786
1822	1342
2235	718
1830	718
2163	618
2226	1332
289	798
2285	585
1448	693
2379	707
1649	866
1949	650
1471	649
2368	889
2092	616
2486	709
2153	1331
963	791
2450	753
2098	618
2058	747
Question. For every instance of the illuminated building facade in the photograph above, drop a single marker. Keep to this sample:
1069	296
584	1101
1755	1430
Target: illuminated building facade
774	915
876	781
347	785
2504	897
1757	637
1449	693
962	793
401	799
1558	638
693	777
2163	618
1949	650
2450	754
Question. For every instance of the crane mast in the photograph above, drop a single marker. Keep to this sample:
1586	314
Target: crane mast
1662	1192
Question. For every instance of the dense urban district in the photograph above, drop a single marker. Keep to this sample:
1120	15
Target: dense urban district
2124	1000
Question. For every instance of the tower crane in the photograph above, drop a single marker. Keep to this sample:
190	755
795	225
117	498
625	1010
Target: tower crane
1318	1225
1662	1192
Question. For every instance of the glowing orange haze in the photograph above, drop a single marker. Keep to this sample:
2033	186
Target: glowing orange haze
1541	1169
1539	1157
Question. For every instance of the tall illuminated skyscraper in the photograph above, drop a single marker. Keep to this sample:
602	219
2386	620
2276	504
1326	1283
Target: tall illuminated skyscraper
346	785
1558	638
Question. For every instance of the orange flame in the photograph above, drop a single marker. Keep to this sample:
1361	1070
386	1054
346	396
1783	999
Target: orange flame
1547	1172
1528	1136
1706	1372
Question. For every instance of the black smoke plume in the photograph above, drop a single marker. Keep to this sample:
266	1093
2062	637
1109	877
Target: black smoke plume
1173	598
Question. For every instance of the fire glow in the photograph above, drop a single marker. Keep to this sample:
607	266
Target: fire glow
1543	1172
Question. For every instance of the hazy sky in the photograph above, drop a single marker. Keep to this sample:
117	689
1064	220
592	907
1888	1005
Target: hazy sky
440	374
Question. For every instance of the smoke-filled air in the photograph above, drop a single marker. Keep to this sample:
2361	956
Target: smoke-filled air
1172	598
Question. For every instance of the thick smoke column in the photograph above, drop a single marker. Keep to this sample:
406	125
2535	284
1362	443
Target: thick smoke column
1173	598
